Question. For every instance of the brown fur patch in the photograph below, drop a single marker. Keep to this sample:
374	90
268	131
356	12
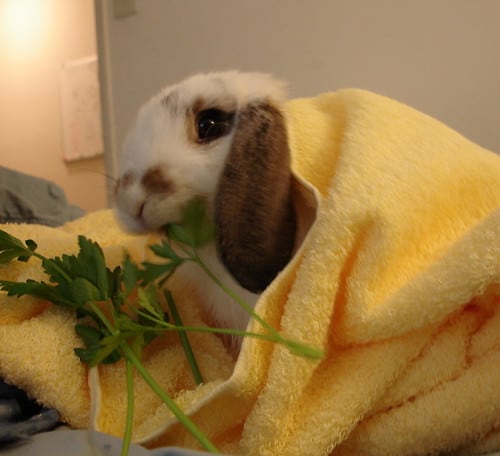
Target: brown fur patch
191	115
125	181
155	180
171	101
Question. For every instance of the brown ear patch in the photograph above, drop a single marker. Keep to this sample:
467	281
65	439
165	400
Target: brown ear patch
254	213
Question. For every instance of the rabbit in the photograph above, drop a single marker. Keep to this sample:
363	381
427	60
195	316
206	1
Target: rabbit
221	137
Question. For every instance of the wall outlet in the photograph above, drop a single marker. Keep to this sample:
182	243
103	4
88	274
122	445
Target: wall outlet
124	8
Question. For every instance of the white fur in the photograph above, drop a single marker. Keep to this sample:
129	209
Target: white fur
159	138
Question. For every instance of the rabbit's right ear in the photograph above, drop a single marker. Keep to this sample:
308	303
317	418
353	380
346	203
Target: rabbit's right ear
254	213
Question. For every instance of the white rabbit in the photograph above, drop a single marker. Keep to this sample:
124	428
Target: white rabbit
221	137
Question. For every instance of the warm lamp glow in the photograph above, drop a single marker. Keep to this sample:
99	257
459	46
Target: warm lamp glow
21	24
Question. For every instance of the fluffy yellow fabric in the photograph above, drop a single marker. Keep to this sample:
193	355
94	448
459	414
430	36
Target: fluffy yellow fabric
398	280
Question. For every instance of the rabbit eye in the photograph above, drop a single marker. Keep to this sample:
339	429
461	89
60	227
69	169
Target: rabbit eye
212	124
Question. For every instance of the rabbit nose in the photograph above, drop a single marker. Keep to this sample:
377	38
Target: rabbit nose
155	180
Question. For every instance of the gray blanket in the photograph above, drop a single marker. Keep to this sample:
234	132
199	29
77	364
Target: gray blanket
29	199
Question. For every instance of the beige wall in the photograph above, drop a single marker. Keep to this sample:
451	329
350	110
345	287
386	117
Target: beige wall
32	52
441	56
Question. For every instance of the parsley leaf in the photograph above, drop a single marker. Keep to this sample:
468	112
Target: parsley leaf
196	227
12	248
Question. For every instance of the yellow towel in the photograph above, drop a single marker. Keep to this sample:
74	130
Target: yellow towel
398	280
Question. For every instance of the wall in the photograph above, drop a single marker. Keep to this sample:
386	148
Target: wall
442	57
33	48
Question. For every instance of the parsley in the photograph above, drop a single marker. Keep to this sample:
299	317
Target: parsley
118	311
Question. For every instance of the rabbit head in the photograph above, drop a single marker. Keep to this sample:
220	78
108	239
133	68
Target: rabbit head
220	137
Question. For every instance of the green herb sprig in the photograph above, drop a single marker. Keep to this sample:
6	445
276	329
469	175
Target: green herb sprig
118	311
110	323
194	231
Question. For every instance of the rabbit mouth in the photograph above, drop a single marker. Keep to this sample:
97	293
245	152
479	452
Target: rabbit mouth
153	214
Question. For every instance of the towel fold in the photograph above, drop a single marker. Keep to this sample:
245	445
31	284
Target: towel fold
397	279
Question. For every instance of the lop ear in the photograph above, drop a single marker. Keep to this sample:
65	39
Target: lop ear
254	212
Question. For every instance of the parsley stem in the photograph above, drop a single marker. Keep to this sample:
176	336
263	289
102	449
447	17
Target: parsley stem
186	345
97	310
294	346
127	436
171	404
241	302
205	329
